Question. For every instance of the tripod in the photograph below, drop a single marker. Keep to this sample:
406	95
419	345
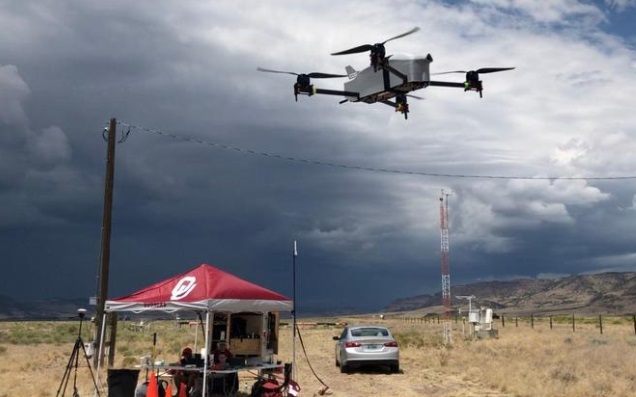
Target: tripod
74	361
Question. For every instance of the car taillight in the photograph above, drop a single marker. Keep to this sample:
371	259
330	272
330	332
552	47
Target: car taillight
391	344
353	344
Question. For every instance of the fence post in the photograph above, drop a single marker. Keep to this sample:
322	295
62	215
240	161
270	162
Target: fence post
503	321
517	321
634	318
573	324
532	321
600	322
550	321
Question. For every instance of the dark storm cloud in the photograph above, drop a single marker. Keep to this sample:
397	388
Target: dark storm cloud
184	195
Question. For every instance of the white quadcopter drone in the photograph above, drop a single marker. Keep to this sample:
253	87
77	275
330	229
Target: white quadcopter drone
388	77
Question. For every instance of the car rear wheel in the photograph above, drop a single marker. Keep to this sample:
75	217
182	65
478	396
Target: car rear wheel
395	368
344	369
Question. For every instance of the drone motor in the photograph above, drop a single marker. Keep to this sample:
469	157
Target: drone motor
303	80
472	82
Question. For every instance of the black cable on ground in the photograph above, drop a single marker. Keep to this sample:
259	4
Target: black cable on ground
302	344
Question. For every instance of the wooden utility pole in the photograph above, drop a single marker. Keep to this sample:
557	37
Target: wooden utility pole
102	294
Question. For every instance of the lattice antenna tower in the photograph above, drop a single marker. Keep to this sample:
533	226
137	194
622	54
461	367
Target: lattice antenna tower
446	292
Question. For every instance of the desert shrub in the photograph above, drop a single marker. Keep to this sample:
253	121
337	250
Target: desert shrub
129	361
564	375
27	333
416	339
444	356
598	342
25	337
123	349
618	320
562	319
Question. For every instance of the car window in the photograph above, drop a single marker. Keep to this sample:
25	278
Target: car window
370	331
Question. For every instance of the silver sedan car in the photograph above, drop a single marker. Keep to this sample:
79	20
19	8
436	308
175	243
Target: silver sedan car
366	345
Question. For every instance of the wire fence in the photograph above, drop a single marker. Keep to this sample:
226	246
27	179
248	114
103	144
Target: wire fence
554	321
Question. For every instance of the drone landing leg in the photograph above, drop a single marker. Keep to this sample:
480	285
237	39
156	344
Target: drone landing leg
387	79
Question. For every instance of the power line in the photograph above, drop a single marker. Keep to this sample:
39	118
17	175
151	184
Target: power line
362	168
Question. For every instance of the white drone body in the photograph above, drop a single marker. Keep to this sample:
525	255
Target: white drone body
370	84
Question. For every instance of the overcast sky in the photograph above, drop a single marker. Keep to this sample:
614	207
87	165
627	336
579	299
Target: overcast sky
197	179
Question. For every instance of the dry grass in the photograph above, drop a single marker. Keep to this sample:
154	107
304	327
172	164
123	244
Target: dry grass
523	361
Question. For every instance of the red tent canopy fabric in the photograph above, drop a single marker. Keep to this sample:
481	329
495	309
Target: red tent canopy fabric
202	288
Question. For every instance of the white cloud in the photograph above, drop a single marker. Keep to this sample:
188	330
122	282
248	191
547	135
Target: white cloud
50	147
35	167
546	10
620	5
13	91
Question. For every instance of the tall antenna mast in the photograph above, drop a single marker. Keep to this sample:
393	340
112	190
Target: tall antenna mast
446	293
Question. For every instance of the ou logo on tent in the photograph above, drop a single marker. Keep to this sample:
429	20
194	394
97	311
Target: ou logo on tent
183	288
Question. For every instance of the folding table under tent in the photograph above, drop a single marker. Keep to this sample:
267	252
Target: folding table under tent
204	288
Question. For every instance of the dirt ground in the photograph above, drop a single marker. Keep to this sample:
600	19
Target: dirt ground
22	375
527	359
416	377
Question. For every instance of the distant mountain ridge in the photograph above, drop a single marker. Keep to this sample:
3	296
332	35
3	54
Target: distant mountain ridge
603	293
42	309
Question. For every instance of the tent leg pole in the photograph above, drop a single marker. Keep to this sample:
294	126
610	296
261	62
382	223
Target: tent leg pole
206	364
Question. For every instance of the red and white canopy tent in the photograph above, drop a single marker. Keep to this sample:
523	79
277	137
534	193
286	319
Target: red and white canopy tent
205	288
202	288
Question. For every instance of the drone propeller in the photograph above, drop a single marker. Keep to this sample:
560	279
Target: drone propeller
472	82
378	51
482	70
303	81
313	75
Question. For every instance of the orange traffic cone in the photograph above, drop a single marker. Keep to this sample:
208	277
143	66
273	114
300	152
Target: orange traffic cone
182	390
153	388
169	390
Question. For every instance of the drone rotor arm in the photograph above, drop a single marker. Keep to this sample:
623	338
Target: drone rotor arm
446	84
